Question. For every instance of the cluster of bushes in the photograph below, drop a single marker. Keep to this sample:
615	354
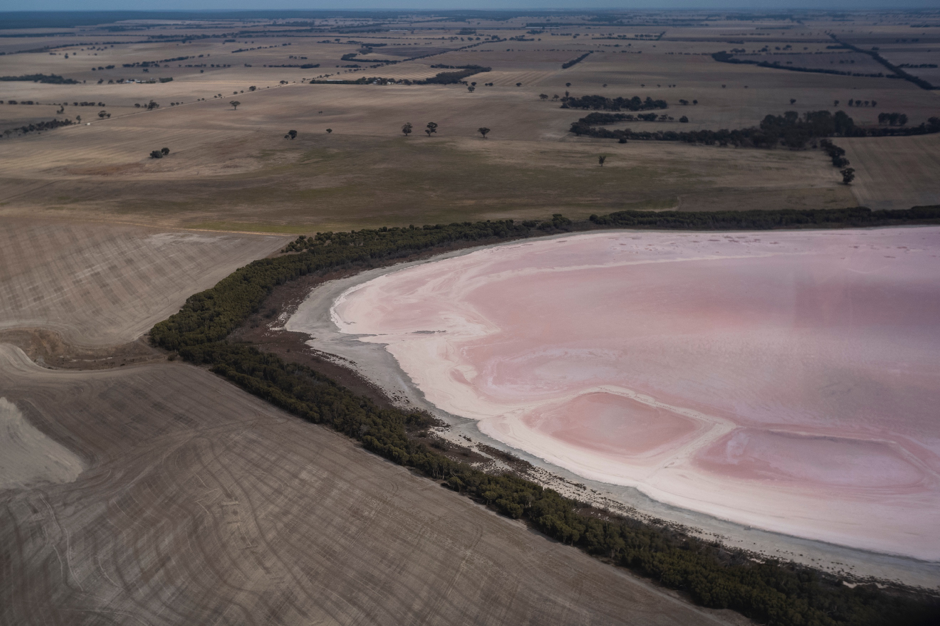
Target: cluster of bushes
771	592
892	119
572	62
835	153
601	103
159	154
41	126
789	129
52	79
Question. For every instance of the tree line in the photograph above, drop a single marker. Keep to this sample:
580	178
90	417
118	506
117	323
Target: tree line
441	78
572	62
728	57
772	592
601	103
899	73
789	129
52	79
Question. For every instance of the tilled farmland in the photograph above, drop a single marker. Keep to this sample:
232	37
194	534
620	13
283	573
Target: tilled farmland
203	505
101	285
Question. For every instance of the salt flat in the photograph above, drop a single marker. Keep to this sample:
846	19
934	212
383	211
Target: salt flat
781	380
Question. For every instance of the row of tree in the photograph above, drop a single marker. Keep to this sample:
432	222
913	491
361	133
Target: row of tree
41	126
892	119
52	79
789	129
770	592
602	103
573	62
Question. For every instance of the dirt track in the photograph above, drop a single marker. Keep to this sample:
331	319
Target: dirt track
202	505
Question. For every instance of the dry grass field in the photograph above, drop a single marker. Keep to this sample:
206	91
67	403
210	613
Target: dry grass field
202	505
896	172
232	170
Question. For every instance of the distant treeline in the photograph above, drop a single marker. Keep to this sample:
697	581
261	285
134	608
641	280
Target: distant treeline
767	220
565	66
601	103
157	63
726	57
790	129
450	78
920	82
53	79
40	126
305	66
713	576
442	78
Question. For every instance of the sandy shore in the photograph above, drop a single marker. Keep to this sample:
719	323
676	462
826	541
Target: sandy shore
567	463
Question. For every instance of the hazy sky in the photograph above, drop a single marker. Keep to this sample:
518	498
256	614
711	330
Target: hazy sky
195	5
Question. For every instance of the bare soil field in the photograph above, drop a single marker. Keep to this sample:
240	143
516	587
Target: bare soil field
201	504
99	285
895	172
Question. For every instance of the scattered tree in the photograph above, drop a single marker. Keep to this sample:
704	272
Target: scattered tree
483	130
684	120
329	131
848	175
292	134
252	88
431	128
407	128
601	159
235	104
156	154
543	96
792	100
165	151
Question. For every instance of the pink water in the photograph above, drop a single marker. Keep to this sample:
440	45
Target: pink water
789	381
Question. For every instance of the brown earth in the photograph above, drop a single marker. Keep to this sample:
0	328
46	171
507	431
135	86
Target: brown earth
202	504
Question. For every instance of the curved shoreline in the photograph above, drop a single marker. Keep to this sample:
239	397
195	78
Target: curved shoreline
371	360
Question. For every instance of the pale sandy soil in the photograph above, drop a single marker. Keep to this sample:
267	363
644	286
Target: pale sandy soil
398	384
201	504
27	456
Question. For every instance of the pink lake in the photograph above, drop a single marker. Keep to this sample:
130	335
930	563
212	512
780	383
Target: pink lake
784	380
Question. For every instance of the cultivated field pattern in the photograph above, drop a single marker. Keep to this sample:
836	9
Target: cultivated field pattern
203	505
102	285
